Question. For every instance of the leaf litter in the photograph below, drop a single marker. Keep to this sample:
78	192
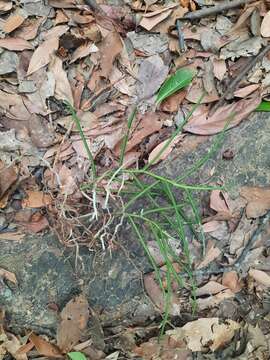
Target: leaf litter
104	63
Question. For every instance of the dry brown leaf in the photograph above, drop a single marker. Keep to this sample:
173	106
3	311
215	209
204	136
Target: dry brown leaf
62	86
211	288
44	347
155	293
15	44
219	201
258	200
68	184
13	107
150	20
13	22
233	113
38	223
8	177
74	318
13	236
155	152
212	253
5	5
83	51
109	49
265	26
230	279
36	199
8	275
219	68
210	226
29	30
260	276
12	344
42	55
247	90
171	104
24	349
196	91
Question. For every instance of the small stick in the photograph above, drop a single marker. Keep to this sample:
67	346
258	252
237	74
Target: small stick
181	39
233	85
215	9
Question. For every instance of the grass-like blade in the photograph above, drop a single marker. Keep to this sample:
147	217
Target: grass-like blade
264	106
179	80
76	355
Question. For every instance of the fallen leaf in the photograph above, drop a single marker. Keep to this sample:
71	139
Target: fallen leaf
74	318
29	30
62	86
12	344
13	22
151	75
150	20
265	26
56	32
13	106
8	177
8	275
36	199
37	225
231	114
212	253
15	44
42	55
5	5
210	226
172	103
109	49
195	92
219	68
211	288
44	347
245	91
155	156
13	236
219	201
230	279
260	276
258	200
83	51
155	293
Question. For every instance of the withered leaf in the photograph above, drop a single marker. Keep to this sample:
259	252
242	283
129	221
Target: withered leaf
109	49
15	44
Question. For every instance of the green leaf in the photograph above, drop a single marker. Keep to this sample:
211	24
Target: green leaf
76	355
264	106
180	79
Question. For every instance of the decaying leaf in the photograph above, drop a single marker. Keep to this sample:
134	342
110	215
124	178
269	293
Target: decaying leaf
8	275
160	153
258	200
42	55
74	318
230	115
212	253
44	347
231	280
205	333
260	276
109	50
15	44
265	26
36	199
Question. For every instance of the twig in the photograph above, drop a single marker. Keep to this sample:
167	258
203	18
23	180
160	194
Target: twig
181	38
215	9
246	68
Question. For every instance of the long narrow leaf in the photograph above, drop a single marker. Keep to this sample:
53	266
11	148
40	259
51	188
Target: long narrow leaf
264	106
174	83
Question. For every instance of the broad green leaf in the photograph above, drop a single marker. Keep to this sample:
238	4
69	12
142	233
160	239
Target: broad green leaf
264	106
175	82
76	355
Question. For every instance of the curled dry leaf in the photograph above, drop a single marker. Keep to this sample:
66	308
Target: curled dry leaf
15	44
83	51
265	26
219	201
219	68
154	156
205	333
62	86
260	276
42	55
44	347
8	275
230	279
231	114
213	300
74	318
258	200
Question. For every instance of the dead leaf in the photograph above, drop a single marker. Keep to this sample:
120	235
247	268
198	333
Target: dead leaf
155	152
13	107
150	20
258	200
232	114
62	86
42	55
83	51
230	279
196	90
8	275
36	199
8	177
212	253
219	68
13	236
260	276
206	332
265	26
155	293
151	76
5	5
15	44
219	201
171	104
109	50
12	344
210	226
74	318
44	347
245	91
29	29
38	223
13	22
211	288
